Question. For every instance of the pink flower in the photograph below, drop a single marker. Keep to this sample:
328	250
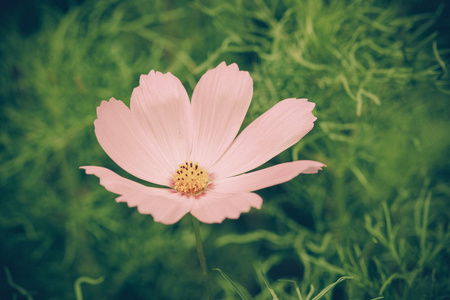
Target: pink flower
191	148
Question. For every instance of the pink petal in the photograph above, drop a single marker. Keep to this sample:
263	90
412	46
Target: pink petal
273	132
266	177
164	205
215	207
219	104
161	104
124	139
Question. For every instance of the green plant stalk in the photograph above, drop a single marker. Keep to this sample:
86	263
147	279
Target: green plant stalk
201	256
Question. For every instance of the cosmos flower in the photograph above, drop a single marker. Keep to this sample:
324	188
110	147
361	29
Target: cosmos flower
190	148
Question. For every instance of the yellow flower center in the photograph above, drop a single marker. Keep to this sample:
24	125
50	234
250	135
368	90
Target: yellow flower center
190	179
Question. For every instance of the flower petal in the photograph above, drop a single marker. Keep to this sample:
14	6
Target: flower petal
273	132
161	103
123	138
266	177
215	207
219	104
164	205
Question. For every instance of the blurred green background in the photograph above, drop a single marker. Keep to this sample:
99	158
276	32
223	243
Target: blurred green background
379	213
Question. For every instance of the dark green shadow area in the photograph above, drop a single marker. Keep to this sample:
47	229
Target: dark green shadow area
378	72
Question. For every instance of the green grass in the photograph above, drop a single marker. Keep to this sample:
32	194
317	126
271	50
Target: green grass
379	213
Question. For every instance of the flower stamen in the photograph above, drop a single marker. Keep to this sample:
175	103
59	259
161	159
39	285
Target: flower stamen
190	179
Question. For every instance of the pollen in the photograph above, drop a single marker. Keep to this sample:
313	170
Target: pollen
190	179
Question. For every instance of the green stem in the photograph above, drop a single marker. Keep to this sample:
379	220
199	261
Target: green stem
201	255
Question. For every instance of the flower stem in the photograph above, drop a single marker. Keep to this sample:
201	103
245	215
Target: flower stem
201	256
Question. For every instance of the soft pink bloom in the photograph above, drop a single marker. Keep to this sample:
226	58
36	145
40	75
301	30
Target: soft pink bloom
192	148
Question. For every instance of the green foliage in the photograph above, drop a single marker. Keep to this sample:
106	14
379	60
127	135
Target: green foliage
378	213
17	287
80	280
